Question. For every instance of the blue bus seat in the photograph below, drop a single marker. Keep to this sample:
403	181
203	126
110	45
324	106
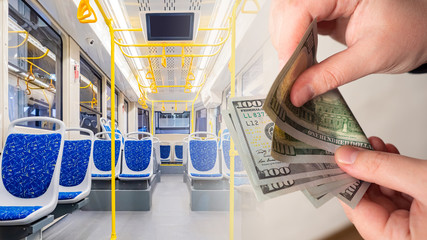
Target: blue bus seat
101	168
30	168
178	152
203	156
75	177
165	152
138	161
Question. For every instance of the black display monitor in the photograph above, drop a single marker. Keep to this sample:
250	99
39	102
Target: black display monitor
170	26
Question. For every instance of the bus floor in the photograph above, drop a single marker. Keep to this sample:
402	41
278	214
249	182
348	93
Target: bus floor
170	218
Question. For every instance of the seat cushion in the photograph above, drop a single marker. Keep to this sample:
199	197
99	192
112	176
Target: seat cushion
179	151
102	154
75	162
28	163
206	175
134	175
165	151
8	213
203	154
68	195
138	154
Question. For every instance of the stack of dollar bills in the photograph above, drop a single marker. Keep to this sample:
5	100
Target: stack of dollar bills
286	148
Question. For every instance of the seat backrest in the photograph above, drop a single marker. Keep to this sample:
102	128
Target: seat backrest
203	151
76	159
30	164
165	150
179	150
138	153
105	125
102	152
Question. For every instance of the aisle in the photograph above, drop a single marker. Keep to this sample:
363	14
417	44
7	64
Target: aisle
170	218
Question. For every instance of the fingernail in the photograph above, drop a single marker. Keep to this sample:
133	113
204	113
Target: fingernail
347	155
305	94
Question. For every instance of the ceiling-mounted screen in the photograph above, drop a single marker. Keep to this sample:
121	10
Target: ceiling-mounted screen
170	26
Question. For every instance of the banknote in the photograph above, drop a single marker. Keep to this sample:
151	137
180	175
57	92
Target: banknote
350	194
288	149
322	189
254	131
324	122
319	200
275	186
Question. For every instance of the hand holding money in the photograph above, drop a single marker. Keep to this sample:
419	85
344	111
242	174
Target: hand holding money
382	36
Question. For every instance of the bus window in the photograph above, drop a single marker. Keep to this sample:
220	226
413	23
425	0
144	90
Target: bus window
143	120
35	59
90	97
201	120
126	115
116	100
172	123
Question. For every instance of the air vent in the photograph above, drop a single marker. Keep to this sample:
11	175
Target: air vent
144	5
195	5
169	5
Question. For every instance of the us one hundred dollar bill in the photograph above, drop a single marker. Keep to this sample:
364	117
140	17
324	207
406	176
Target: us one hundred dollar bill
248	123
325	122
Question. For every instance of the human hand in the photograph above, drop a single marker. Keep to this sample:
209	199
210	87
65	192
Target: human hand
383	36
395	205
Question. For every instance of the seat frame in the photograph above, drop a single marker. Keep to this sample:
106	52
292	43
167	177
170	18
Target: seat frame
49	199
168	159
150	168
95	170
215	170
85	186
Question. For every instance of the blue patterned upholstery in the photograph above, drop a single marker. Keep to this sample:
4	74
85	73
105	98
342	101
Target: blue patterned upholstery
238	165
101	175
165	151
28	163
138	154
102	154
68	195
75	161
205	175
179	151
134	175
8	213
203	154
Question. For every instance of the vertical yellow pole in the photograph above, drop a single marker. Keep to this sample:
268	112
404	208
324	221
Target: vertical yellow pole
113	139
233	91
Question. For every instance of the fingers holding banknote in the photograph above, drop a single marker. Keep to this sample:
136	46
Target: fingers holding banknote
395	207
376	34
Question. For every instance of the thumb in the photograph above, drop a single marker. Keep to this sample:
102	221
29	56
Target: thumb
341	68
404	174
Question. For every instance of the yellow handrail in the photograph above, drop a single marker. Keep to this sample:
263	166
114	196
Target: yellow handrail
250	11
25	39
41	69
82	16
34	58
